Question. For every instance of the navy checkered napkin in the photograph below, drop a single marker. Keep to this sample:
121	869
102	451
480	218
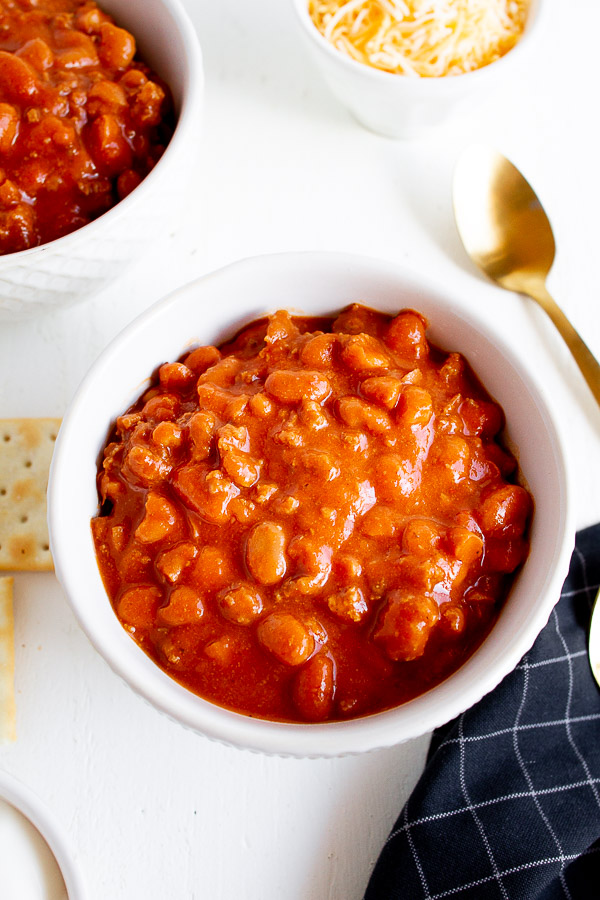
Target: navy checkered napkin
509	804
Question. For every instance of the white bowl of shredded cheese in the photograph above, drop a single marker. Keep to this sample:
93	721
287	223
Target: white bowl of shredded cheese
404	67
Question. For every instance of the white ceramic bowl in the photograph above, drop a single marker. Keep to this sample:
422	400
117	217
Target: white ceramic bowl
398	106
212	309
31	807
73	267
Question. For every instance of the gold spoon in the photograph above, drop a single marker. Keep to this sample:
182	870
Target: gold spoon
507	234
594	640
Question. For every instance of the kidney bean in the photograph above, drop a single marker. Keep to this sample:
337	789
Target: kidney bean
382	389
415	407
265	553
314	688
37	53
90	20
319	351
505	511
202	358
17	79
107	144
212	570
222	650
202	426
75	50
175	376
286	638
261	405
185	605
293	386
167	435
137	606
117	46
405	335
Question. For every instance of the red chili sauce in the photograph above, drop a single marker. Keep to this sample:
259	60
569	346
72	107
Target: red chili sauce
315	521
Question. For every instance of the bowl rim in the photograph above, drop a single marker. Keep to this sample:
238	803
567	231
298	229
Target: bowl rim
191	94
284	739
26	801
434	84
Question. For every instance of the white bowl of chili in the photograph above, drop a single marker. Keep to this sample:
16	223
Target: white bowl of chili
110	95
212	310
390	84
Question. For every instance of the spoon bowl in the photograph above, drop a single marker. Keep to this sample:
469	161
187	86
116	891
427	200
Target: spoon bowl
507	234
594	640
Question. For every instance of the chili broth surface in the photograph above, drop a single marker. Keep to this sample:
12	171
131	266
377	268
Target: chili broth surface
316	520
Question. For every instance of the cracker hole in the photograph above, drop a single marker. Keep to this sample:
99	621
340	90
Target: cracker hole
45	547
52	437
2	492
28	464
24	519
7	437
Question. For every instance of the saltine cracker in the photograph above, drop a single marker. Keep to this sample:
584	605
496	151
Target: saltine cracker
7	663
26	447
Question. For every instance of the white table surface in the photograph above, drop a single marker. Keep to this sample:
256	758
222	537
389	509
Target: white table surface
154	811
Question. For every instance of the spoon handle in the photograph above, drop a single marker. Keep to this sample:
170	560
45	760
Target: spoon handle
594	640
585	359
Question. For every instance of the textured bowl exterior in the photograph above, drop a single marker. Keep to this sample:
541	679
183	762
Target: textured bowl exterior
76	266
398	106
213	309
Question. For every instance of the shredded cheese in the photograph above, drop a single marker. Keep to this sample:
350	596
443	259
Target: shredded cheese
426	38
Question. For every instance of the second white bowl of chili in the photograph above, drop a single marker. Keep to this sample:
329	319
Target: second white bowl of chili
72	213
269	635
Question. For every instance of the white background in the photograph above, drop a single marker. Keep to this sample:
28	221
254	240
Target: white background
151	810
